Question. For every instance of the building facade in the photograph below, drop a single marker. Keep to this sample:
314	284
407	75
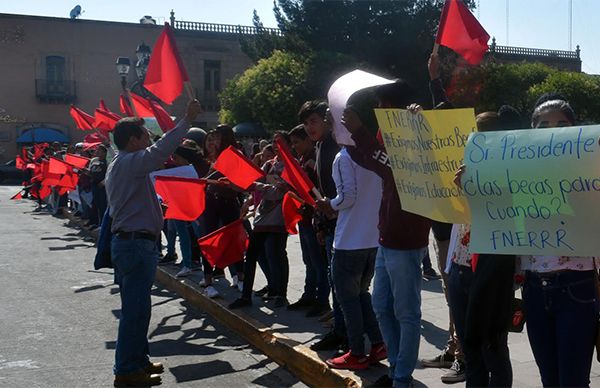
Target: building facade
49	63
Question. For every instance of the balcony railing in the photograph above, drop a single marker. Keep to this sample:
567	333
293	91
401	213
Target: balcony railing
224	28
534	52
55	91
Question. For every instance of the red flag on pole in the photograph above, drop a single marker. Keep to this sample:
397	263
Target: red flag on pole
142	106
294	174
164	120
18	195
166	73
105	119
76	161
184	197
56	166
291	216
38	150
82	120
20	163
44	191
237	168
125	107
102	105
225	246
94	138
460	31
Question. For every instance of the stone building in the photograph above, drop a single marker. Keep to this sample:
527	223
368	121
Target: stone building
49	63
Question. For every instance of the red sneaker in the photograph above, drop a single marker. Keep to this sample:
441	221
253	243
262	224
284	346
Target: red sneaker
349	361
378	353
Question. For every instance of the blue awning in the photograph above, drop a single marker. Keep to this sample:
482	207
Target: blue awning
42	135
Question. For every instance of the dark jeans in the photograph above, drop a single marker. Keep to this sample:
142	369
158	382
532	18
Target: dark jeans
459	285
562	320
339	326
268	249
100	201
489	312
316	284
353	271
135	265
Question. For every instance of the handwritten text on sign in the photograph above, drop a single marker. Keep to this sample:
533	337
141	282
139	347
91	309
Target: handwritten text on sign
534	191
425	149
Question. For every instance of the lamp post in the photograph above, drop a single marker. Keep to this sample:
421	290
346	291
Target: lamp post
123	64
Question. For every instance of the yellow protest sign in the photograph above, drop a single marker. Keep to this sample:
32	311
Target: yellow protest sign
425	149
534	191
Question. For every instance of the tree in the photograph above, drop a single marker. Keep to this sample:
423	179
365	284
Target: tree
269	93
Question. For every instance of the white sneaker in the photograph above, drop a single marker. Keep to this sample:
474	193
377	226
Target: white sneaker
185	271
240	285
211	292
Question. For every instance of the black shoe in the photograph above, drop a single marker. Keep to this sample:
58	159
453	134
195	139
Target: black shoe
443	360
456	374
430	274
330	341
317	310
240	302
269	296
263	291
382	382
301	303
168	259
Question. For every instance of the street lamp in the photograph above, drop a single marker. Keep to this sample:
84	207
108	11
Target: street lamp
123	65
143	51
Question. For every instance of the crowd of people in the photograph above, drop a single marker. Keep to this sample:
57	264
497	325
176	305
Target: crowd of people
356	236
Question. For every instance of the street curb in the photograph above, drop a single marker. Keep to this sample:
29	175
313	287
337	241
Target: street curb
295	357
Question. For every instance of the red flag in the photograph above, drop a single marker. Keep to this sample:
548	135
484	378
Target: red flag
125	107
20	163
184	197
45	191
82	120
88	146
166	73
18	195
291	216
68	181
142	106
225	246
105	119
294	174
76	161
238	168
94	138
164	120
102	105
57	166
460	31
38	150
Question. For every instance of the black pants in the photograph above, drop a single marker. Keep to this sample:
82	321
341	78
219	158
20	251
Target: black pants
269	250
489	312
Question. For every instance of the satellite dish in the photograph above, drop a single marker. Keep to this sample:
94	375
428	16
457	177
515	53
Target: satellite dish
75	12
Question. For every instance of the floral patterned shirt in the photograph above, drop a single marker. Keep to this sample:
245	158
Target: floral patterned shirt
459	246
558	263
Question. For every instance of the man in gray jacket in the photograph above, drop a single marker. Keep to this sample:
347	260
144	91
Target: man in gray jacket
137	223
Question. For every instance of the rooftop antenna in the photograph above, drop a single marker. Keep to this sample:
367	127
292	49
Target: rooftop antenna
75	12
570	24
507	11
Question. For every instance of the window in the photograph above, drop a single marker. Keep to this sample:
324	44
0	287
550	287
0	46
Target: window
212	75
54	85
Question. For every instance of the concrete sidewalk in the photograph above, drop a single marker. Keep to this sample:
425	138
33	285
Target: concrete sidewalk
285	335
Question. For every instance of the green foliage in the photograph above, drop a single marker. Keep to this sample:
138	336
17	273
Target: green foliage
269	93
491	85
581	90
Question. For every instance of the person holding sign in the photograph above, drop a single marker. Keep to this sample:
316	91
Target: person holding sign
403	241
560	295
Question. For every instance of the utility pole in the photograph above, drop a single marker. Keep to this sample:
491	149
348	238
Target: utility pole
507	10
570	24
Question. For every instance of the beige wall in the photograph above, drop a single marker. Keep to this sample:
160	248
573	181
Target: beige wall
90	49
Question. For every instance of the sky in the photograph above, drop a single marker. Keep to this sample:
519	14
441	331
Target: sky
531	23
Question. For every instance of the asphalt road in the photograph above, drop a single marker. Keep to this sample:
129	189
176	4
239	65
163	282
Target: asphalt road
59	317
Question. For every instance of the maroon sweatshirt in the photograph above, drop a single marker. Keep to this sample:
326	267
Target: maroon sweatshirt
398	229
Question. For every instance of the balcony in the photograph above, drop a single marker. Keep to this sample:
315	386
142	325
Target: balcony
55	91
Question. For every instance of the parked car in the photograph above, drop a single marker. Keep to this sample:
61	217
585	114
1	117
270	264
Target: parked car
10	173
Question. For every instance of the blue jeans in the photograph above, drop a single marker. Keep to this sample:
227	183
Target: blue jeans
316	284
352	274
261	246
339	326
185	242
171	234
397	305
562	319
135	263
